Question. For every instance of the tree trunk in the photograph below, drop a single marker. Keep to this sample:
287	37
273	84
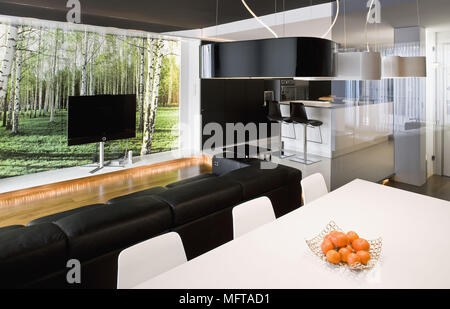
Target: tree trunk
74	70
11	102
141	86
170	87
85	63
36	102
55	81
5	111
40	97
39	78
91	79
15	122
47	97
151	97
7	63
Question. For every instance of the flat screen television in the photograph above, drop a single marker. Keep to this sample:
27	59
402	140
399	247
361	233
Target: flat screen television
100	118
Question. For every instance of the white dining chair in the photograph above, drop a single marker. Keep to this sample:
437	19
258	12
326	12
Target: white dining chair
313	187
148	259
252	214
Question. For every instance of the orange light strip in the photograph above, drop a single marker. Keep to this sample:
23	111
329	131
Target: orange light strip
18	198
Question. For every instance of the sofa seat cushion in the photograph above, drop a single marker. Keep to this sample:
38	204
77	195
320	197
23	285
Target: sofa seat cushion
121	225
255	181
28	253
146	192
190	180
60	215
201	198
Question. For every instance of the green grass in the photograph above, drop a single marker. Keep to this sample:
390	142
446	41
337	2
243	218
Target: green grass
42	146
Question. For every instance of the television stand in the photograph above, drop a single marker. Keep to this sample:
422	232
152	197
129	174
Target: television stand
101	161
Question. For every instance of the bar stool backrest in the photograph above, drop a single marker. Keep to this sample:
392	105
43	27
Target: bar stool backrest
298	113
274	111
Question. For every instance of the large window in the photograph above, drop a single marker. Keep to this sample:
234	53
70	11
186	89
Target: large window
42	66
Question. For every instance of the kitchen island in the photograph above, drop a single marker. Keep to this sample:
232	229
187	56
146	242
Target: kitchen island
356	138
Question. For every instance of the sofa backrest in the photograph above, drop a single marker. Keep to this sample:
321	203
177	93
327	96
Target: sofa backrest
98	231
30	253
200	198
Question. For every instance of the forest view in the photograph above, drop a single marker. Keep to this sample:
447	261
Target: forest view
42	67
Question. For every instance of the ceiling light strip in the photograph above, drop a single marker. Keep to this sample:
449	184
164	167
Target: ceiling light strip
258	19
367	21
334	22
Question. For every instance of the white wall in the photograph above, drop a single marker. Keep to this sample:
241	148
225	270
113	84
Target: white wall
190	116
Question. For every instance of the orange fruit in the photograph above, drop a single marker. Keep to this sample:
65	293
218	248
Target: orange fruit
364	256
327	237
349	248
339	239
333	256
344	253
352	236
353	258
326	246
360	244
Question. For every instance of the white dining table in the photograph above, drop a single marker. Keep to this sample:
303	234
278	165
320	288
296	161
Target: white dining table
415	254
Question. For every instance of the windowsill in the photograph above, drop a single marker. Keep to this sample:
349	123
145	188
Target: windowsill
71	173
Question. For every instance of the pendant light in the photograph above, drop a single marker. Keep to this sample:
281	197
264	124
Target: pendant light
402	67
258	19
274	58
359	65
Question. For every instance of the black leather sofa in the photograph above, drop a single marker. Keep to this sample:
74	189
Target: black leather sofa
198	208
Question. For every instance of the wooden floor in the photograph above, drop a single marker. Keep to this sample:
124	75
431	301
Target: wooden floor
436	186
23	206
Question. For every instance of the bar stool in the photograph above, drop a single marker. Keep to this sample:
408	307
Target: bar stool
274	115
299	116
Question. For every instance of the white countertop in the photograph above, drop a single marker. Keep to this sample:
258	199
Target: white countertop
318	104
325	104
414	229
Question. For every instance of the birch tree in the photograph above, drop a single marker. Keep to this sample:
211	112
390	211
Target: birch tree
83	90
154	51
55	81
141	85
15	120
6	67
11	101
7	63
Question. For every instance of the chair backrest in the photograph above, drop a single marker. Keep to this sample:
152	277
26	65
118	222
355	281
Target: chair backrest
252	214
148	259
274	110
298	112
313	187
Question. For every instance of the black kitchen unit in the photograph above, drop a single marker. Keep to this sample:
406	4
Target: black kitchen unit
233	101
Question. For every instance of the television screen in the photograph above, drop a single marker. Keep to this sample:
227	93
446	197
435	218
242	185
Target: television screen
101	118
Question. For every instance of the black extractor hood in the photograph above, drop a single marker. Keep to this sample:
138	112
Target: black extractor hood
292	57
